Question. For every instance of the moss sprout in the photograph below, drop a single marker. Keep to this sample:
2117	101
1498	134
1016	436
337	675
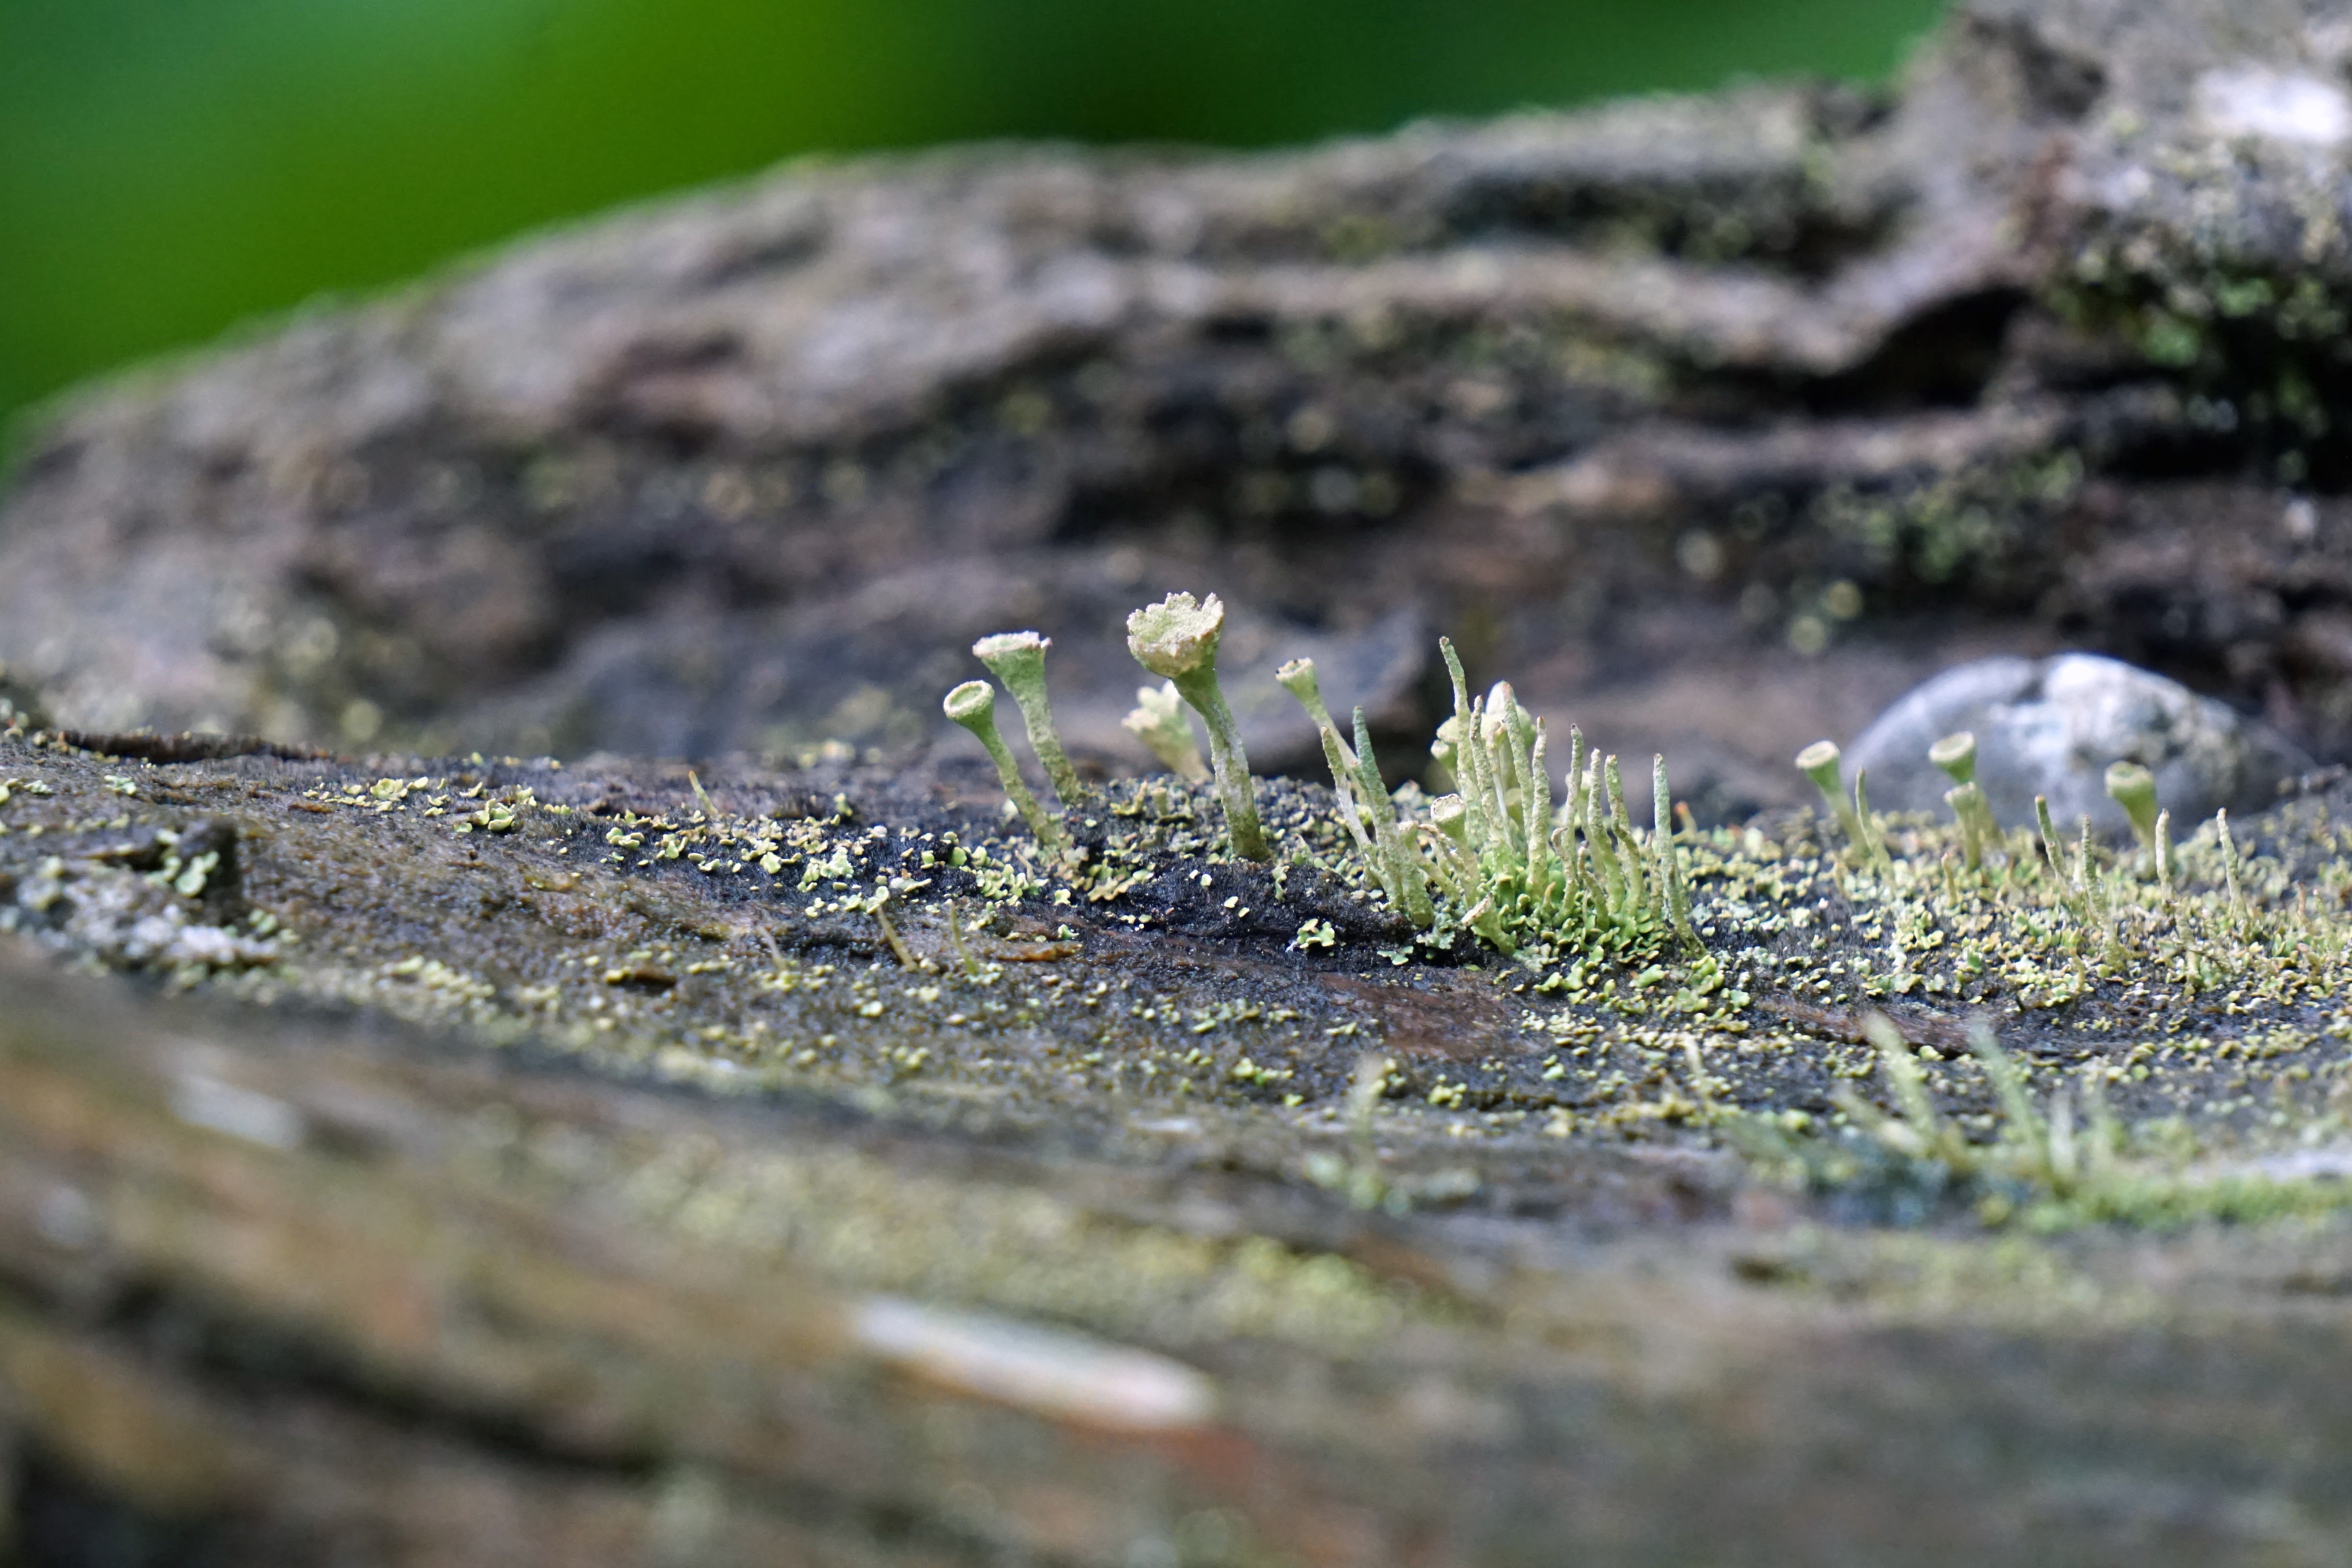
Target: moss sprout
1018	659
974	706
1177	639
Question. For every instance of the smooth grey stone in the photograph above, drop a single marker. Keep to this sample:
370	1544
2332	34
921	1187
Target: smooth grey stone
2051	726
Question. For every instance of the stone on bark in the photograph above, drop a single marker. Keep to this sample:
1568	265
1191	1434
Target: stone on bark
2050	727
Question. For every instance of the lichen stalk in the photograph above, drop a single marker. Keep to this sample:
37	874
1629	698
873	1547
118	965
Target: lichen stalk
1405	881
1470	759
1821	762
1177	639
974	706
1018	659
1662	845
1964	801
2230	863
1298	677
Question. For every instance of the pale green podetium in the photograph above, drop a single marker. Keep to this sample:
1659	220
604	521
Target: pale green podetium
974	706
1158	721
1395	862
1298	677
1820	763
2229	862
1956	755
1018	659
2133	787
1662	846
1177	639
2048	829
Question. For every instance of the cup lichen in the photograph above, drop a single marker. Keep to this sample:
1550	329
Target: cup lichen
1018	659
974	706
2133	787
1177	640
1955	754
1821	762
1158	721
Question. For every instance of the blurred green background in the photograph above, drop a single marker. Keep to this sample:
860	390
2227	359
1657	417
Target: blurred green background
168	167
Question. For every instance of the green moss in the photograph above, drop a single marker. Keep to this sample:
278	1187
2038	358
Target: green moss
2259	351
1971	526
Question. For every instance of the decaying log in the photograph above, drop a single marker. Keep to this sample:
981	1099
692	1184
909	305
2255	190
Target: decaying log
314	1294
493	1198
1710	421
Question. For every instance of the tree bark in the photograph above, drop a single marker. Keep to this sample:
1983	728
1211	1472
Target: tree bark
2044	347
404	1262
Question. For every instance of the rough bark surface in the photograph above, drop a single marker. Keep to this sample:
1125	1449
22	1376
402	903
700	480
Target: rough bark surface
1711	422
496	1200
2044	348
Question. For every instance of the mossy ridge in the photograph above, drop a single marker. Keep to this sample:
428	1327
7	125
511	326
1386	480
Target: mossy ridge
1979	526
617	914
2259	351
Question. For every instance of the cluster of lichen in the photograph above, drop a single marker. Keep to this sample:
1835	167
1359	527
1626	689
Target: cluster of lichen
1495	859
2058	924
1788	922
1966	915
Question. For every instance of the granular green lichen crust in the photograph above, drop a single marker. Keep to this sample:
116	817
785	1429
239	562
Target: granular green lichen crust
895	943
